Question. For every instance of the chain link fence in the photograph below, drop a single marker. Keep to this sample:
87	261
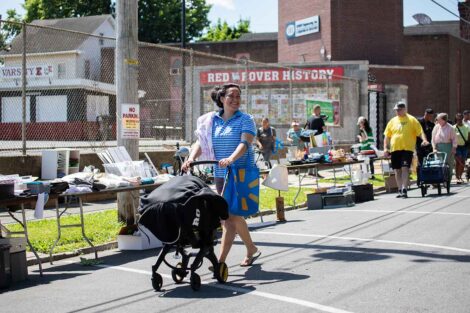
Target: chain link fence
69	99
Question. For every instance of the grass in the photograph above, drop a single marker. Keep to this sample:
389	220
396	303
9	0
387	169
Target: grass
267	197
103	227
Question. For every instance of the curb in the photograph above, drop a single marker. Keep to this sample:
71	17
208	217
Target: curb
60	256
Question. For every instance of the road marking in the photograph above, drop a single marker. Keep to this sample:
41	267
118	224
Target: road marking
406	243
308	304
392	211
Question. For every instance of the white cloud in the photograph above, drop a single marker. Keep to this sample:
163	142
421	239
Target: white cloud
228	4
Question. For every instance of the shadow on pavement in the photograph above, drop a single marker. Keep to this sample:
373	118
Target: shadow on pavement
352	254
67	271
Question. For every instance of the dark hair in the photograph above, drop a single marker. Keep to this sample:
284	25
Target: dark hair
220	91
367	126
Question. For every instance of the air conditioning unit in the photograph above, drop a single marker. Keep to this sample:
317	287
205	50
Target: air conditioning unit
175	71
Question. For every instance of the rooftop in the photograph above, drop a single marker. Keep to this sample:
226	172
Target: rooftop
41	39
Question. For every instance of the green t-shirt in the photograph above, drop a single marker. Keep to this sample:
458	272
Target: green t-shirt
368	142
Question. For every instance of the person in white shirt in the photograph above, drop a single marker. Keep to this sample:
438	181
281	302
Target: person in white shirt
466	117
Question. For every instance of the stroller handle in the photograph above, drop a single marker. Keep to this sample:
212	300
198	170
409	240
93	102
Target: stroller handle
437	153
203	162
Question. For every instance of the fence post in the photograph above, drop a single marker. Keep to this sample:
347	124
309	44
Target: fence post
23	91
191	96
248	105
291	102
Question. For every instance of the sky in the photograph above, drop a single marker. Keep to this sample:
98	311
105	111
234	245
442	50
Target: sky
263	13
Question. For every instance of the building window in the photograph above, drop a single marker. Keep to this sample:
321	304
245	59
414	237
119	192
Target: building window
61	73
51	109
12	110
96	106
101	40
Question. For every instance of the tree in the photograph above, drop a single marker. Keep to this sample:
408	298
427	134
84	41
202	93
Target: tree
159	21
8	31
51	9
221	31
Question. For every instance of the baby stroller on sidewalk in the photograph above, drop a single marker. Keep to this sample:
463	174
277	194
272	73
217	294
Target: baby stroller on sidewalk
185	213
434	171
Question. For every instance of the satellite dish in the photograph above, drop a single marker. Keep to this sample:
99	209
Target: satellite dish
422	19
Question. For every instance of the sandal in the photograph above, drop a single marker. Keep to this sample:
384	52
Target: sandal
249	260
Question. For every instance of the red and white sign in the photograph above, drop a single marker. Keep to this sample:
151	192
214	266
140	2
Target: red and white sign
31	71
311	74
130	119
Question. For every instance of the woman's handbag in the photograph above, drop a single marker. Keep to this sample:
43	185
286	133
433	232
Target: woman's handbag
241	190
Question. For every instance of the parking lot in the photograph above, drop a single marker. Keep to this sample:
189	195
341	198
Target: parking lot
386	255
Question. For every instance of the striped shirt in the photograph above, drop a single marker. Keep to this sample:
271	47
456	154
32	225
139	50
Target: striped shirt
226	136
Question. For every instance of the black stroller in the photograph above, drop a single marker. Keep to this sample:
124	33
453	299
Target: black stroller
185	213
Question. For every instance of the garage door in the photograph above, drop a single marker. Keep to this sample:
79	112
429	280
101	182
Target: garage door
12	110
51	109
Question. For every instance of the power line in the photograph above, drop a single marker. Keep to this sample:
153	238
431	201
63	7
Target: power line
444	8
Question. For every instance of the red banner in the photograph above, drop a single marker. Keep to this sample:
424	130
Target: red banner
255	76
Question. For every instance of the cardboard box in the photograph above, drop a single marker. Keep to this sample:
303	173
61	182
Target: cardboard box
391	184
138	242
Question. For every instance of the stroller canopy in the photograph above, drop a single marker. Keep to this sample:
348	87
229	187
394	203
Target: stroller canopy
183	202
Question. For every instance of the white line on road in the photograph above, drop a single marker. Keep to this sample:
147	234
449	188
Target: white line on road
262	294
393	211
362	239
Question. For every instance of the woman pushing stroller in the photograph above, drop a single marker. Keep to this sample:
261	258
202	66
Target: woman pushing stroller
227	136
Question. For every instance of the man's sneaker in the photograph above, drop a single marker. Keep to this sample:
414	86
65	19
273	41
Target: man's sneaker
404	193
400	194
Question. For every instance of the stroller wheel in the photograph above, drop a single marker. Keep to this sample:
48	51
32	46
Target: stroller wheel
222	273
178	274
157	281
195	281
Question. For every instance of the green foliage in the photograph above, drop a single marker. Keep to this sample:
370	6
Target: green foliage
8	31
100	228
160	21
52	9
222	31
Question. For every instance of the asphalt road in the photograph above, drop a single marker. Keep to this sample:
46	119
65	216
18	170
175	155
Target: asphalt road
387	255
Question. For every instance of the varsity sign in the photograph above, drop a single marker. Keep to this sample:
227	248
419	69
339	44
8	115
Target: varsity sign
254	76
31	71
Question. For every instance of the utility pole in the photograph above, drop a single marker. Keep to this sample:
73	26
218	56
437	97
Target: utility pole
23	91
126	76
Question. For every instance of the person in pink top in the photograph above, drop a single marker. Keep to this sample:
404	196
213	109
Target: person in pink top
444	139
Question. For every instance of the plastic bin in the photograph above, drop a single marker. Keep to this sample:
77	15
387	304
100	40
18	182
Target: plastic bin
331	201
17	257
363	193
315	201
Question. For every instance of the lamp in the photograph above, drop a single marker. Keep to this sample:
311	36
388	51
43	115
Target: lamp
278	179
